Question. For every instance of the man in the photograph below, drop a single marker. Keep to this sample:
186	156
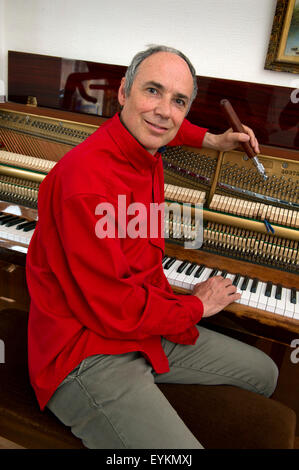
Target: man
104	324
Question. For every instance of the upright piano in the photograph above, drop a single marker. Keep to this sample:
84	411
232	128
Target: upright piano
250	226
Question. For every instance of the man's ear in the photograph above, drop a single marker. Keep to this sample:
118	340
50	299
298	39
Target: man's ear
121	92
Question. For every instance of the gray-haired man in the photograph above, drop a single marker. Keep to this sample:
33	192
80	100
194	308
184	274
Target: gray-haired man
117	328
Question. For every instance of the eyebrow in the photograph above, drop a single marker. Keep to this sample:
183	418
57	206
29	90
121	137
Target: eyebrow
162	88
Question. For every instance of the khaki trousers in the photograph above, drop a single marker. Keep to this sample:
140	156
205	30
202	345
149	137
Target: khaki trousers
113	402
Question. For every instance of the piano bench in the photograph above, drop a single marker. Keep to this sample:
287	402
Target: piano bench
221	417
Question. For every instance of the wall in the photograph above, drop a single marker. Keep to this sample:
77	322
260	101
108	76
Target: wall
2	52
223	38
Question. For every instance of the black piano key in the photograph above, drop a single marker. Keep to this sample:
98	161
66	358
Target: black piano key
23	225
224	274
199	271
7	218
245	283
254	285
237	279
191	269
169	263
30	227
268	290
17	221
165	259
182	266
293	296
214	272
278	292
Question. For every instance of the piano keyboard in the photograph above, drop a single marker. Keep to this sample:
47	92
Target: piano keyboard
273	298
16	229
267	296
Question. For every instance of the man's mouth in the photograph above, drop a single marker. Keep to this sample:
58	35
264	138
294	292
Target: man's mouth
156	127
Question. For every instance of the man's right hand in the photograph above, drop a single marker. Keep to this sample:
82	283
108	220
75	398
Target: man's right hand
215	293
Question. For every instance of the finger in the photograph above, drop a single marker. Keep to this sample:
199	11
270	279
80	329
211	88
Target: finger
238	137
256	146
234	297
220	281
242	137
231	289
254	143
253	140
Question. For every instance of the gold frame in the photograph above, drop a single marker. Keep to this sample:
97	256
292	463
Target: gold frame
276	59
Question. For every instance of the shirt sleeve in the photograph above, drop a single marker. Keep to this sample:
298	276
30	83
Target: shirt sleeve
189	134
100	288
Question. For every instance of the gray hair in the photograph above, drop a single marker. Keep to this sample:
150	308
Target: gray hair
140	56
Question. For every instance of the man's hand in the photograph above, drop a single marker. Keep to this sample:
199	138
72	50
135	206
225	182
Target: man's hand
229	140
215	293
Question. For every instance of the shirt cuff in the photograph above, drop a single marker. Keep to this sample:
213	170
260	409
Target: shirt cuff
194	305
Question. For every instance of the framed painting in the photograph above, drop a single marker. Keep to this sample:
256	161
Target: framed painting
283	50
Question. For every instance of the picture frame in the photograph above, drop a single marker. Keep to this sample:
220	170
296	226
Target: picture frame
283	49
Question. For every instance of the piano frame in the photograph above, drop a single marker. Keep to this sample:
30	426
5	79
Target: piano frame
279	328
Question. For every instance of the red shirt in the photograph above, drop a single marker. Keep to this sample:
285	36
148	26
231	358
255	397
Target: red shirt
109	295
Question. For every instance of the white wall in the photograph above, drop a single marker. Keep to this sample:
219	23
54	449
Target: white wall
2	52
223	38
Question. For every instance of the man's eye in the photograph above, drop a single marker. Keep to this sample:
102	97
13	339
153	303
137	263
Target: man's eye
180	102
153	91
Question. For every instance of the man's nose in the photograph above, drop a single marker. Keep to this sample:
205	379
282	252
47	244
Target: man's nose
163	108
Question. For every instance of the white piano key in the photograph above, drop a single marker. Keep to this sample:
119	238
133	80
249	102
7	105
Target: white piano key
10	233
254	296
188	280
280	304
181	276
271	304
262	300
246	293
289	307
167	258
239	291
203	277
187	283
270	301
172	273
20	248
296	308
176	276
196	280
168	271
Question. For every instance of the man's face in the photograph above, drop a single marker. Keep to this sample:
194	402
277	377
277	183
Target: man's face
158	101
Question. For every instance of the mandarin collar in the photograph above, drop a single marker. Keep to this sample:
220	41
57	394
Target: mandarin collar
137	155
